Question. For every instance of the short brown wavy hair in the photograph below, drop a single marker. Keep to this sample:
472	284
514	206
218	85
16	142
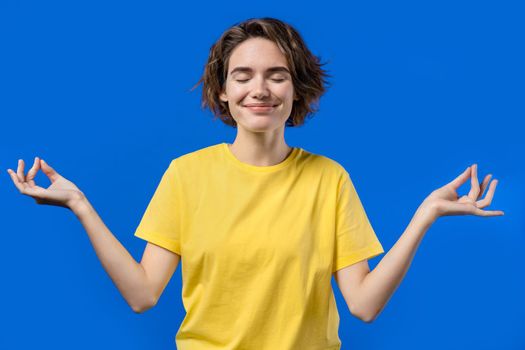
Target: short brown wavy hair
309	79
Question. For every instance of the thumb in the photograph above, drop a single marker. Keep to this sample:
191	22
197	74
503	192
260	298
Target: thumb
49	171
460	180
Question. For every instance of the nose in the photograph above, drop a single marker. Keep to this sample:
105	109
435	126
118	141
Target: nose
260	88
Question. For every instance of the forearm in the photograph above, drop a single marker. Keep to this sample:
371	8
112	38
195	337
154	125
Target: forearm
380	284
128	275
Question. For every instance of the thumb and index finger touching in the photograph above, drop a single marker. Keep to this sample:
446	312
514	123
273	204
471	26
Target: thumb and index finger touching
20	178
476	190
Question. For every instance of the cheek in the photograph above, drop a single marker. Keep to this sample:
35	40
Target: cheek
286	92
237	90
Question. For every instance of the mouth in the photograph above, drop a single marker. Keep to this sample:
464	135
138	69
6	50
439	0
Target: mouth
260	107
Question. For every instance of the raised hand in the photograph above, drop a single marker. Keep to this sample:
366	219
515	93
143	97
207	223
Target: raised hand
445	200
61	192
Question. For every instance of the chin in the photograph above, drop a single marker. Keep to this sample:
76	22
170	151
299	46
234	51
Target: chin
260	124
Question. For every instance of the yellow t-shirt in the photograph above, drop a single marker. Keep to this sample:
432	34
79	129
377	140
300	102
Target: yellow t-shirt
259	245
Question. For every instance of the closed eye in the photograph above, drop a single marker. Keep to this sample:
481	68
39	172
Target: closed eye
245	80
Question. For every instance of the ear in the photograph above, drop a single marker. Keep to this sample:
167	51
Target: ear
223	97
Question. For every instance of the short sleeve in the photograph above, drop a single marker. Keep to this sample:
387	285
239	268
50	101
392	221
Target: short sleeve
355	238
160	223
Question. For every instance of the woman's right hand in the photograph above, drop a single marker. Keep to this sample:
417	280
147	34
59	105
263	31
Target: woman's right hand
61	192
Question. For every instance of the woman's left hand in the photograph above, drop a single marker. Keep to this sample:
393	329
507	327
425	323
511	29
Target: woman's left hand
445	201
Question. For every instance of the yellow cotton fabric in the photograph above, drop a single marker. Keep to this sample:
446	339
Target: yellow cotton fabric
259	245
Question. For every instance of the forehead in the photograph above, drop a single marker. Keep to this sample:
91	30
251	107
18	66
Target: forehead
258	53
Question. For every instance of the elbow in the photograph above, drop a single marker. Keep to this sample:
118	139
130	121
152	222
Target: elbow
137	310
143	307
367	317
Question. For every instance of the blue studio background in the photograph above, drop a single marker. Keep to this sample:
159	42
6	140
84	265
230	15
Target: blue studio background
421	90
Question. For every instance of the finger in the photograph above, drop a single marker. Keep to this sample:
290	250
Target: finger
32	172
465	200
23	187
15	179
465	209
484	185
479	212
460	180
49	171
485	202
474	184
20	171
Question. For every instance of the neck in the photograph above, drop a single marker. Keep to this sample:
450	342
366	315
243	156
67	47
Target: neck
260	149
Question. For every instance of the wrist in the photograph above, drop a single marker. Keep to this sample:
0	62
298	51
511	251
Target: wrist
79	204
427	212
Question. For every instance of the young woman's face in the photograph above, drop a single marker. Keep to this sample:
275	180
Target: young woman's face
258	74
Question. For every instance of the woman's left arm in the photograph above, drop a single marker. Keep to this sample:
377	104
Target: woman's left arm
378	285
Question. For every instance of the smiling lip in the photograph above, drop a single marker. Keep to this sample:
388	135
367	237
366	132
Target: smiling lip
262	108
259	105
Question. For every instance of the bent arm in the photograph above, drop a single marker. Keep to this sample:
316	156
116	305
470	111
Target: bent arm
379	285
128	275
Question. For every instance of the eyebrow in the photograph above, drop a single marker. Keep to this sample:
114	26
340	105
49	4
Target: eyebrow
271	69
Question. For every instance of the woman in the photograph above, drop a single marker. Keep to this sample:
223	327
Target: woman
260	226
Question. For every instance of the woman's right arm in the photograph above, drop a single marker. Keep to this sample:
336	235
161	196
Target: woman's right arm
128	275
141	284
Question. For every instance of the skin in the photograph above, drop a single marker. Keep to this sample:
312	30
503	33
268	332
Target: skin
367	292
260	136
259	141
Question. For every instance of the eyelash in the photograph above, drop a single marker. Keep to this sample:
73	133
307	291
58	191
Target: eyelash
276	80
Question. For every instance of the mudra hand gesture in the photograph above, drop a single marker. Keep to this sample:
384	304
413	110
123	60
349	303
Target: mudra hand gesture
445	201
61	192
